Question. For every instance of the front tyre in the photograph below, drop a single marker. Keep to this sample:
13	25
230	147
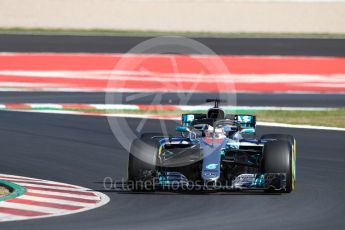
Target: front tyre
292	140
278	158
142	164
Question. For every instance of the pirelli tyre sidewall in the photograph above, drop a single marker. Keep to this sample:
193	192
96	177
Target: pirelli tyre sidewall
278	158
142	159
293	142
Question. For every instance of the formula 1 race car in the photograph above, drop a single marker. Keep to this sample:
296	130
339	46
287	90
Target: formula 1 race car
216	151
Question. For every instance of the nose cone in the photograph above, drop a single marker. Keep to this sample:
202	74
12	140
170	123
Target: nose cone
211	162
210	175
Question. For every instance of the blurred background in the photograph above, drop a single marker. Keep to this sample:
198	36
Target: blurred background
67	66
202	16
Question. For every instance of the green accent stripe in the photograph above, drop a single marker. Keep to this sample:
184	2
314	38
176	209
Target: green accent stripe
15	189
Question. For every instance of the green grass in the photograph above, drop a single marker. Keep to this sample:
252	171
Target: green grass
332	118
10	190
4	191
163	33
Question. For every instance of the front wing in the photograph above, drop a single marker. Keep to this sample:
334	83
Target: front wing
267	181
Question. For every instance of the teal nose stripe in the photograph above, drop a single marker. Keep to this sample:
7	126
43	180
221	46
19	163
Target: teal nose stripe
211	163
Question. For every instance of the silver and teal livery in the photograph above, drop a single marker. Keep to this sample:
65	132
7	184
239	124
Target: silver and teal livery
215	151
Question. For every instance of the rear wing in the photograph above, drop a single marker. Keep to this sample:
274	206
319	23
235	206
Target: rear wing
246	121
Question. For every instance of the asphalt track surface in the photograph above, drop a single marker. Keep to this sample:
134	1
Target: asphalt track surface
121	44
82	150
243	99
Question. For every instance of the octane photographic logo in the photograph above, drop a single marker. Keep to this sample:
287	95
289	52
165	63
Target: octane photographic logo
165	71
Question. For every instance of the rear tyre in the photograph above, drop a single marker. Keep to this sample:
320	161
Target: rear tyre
142	164
278	158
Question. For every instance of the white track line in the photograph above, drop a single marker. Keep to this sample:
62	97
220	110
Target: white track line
10	177
183	77
28	207
52	200
62	194
133	90
205	107
52	186
273	124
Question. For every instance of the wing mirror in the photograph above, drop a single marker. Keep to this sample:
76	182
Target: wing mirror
248	130
182	129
